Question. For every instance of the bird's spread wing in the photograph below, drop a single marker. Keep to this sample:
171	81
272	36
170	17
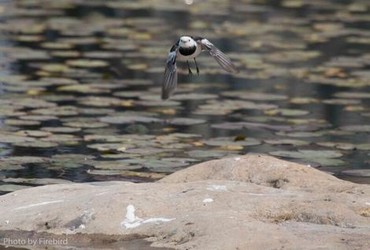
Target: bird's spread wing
170	76
220	57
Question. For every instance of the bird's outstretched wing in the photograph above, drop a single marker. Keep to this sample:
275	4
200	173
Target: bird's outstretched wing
220	57
170	75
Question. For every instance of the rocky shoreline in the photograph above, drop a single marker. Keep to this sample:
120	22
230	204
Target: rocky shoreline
248	202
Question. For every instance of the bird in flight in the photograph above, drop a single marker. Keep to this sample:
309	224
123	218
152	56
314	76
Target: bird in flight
185	49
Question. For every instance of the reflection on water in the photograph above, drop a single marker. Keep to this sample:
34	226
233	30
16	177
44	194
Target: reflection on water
81	87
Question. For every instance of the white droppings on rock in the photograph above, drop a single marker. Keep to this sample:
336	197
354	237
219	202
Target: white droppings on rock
208	200
38	204
237	158
156	220
132	221
367	203
217	188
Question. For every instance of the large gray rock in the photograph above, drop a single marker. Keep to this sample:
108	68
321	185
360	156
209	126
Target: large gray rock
249	202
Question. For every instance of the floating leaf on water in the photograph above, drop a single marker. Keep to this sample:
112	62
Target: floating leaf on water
85	124
323	157
115	165
207	153
82	88
24	159
148	150
356	128
109	147
339	145
84	63
193	96
229	141
185	135
33	103
303	100
341	101
62	138
59	81
185	121
115	155
61	129
129	94
287	142
354	108
128	174
33	133
129	119
36	144
65	54
38	117
137	129
163	166
57	111
328	162
16	122
95	111
363	146
302	134
353	95
14	138
255	96
29	38
54	67
63	161
56	45
103	54
292	56
95	101
357	172
287	112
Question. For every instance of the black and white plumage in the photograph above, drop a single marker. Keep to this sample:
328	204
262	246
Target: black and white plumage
188	48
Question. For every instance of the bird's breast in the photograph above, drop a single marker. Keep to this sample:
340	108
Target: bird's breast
188	53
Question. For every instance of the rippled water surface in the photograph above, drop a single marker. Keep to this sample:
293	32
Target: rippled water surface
80	86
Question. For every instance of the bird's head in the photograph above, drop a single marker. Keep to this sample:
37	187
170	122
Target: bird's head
186	42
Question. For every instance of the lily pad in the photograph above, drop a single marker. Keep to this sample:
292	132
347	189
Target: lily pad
357	172
287	142
256	96
339	145
66	130
36	144
356	128
287	112
128	119
115	165
15	122
185	121
24	159
308	154
84	63
127	174
229	141
207	154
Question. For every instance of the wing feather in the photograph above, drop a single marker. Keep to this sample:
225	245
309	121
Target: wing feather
222	59
170	76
